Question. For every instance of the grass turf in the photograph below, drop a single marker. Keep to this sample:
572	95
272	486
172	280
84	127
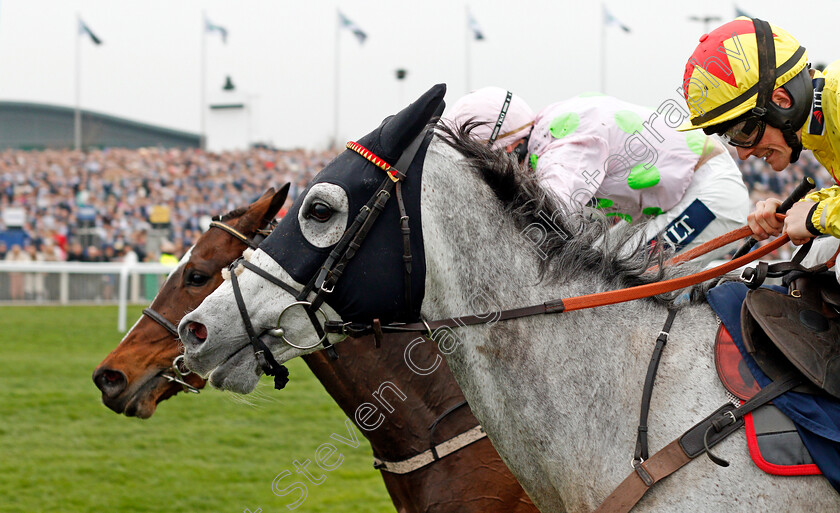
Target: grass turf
61	450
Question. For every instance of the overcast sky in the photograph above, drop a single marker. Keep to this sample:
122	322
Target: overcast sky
281	54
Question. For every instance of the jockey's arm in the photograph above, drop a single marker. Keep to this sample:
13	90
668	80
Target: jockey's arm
825	216
818	213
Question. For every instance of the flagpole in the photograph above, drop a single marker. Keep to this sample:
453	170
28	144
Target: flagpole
77	115
603	49
337	82
203	136
467	66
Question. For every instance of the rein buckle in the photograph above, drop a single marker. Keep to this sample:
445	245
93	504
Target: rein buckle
263	363
347	329
747	275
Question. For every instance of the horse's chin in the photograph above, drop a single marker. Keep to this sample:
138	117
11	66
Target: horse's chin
143	403
239	373
142	408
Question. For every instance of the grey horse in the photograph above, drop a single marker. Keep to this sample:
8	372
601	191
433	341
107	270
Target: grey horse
558	394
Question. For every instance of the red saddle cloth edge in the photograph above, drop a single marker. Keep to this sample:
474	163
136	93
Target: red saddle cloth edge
736	378
809	469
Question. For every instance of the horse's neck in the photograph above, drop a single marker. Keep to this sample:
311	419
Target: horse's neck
477	261
381	378
477	258
551	390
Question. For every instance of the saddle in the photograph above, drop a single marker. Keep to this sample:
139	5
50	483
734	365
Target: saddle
816	417
772	438
798	330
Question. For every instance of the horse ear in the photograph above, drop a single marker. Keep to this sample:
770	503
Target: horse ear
399	130
277	202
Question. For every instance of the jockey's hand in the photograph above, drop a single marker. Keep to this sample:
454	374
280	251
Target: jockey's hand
762	220
795	222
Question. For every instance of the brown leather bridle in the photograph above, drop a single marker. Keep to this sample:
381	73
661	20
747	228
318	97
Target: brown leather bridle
646	473
323	282
177	372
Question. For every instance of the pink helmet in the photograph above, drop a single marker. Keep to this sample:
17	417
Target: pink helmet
506	116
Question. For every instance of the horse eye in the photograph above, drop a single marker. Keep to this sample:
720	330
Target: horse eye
196	278
320	212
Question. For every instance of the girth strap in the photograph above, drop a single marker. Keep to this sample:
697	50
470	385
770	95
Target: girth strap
784	383
431	455
434	425
694	442
659	466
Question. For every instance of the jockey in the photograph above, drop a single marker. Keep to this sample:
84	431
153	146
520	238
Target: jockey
619	157
750	81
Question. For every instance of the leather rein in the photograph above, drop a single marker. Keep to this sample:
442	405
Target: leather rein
323	283
581	302
178	370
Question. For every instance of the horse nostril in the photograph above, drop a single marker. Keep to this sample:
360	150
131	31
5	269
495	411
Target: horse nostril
111	382
198	330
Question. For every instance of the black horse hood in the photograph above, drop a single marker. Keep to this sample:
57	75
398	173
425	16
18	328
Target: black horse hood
373	285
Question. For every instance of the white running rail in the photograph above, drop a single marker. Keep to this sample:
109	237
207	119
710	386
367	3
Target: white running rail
81	282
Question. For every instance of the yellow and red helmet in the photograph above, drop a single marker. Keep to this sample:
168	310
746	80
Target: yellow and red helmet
721	80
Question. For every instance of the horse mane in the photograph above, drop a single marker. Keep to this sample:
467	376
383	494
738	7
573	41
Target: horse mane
579	240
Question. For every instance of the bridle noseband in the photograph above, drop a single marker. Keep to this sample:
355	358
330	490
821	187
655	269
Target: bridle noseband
174	374
177	375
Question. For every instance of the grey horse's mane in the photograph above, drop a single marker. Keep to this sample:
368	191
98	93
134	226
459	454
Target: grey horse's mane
580	240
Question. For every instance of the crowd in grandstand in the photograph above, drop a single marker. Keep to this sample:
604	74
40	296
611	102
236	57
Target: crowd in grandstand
110	195
117	189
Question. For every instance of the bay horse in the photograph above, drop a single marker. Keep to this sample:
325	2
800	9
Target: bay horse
133	380
557	394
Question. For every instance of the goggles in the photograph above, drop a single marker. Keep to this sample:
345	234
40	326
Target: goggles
745	133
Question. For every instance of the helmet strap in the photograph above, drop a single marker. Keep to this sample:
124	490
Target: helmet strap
766	65
792	140
767	82
501	120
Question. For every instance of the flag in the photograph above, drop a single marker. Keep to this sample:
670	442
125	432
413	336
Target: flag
352	27
212	27
739	13
609	19
84	29
473	25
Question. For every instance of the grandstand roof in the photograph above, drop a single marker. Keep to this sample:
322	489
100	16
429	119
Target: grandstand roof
34	126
